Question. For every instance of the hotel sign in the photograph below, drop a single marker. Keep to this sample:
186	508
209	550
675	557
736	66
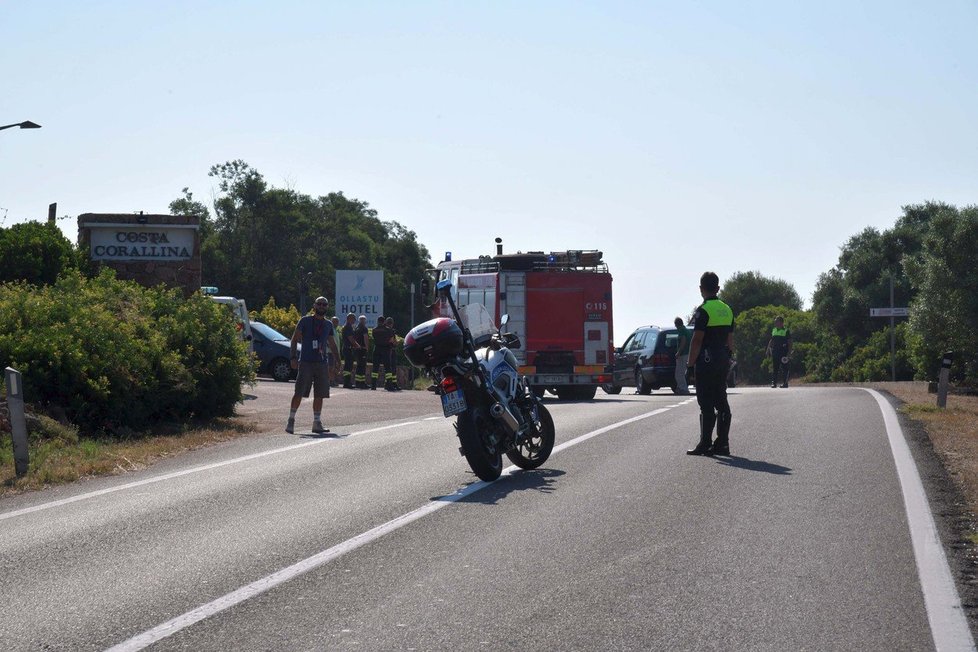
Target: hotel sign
159	242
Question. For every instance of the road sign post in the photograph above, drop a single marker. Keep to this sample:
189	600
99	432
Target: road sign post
18	422
891	312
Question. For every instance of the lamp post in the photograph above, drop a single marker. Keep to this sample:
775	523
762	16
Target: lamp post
304	279
26	124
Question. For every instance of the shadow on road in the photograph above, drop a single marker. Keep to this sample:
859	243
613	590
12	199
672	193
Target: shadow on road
753	465
541	480
324	435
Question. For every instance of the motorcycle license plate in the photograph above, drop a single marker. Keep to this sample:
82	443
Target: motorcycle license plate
453	403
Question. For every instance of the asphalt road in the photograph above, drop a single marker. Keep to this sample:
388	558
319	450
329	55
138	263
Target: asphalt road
800	541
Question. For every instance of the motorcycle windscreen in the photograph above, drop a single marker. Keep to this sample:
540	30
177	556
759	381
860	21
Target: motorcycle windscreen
477	319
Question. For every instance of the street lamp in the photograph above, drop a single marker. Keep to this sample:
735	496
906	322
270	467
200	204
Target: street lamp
26	124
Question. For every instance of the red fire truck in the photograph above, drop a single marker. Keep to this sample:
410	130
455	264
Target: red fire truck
559	303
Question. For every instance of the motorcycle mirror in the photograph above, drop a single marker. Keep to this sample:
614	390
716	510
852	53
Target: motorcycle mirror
504	319
444	287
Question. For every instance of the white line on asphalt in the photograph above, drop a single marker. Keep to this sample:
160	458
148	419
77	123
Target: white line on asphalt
178	474
268	582
432	418
948	624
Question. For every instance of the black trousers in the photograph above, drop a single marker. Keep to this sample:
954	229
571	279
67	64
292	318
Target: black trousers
382	358
711	389
780	370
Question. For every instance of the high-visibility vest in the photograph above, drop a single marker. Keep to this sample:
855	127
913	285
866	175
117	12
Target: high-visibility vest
720	313
779	332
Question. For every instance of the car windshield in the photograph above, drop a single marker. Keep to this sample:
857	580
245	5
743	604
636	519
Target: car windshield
268	332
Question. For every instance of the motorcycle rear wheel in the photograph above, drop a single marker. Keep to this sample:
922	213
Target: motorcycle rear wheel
537	445
485	459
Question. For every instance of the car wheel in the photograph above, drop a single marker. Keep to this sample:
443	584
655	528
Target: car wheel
281	370
640	385
611	389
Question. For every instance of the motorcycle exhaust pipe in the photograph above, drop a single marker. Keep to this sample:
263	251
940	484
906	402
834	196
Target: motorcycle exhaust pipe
499	411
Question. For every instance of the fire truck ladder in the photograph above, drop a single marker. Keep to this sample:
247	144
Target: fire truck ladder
512	286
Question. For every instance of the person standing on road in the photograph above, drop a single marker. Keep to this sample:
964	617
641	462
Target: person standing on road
682	356
779	348
381	357
315	332
361	334
349	346
391	384
710	351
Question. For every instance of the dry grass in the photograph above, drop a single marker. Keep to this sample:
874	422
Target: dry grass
58	460
953	431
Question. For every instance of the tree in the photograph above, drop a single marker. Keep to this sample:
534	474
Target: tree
262	240
35	252
944	311
186	205
746	290
868	263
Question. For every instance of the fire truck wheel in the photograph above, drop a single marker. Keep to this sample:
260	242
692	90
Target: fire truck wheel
586	393
640	385
576	392
611	389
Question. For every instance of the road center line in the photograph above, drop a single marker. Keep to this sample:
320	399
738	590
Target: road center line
948	624
178	474
170	627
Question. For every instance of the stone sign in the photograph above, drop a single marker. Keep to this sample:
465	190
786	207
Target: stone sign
148	249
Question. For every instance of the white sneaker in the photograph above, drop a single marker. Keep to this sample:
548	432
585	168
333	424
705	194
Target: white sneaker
318	428
290	426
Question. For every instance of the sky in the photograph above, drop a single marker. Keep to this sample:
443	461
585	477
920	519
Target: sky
675	137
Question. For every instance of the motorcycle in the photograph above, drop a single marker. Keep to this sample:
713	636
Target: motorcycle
476	376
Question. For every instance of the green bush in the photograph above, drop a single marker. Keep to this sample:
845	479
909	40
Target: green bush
281	319
871	361
34	252
114	356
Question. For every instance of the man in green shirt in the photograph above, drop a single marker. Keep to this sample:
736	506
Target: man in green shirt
682	357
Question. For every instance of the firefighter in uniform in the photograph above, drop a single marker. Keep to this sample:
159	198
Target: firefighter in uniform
711	349
391	369
779	348
349	346
382	338
361	334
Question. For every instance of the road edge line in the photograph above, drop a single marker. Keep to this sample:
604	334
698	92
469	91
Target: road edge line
948	622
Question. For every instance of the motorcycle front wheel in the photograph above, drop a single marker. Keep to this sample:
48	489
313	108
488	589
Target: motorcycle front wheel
537	445
474	430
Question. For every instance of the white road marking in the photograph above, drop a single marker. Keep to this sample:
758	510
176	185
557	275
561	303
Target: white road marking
948	624
178	474
170	627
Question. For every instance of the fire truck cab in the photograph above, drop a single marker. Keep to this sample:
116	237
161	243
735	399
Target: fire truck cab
559	303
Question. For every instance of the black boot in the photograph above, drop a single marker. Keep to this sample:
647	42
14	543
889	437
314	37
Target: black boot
706	436
722	445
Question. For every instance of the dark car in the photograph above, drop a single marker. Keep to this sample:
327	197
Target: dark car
646	361
273	351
